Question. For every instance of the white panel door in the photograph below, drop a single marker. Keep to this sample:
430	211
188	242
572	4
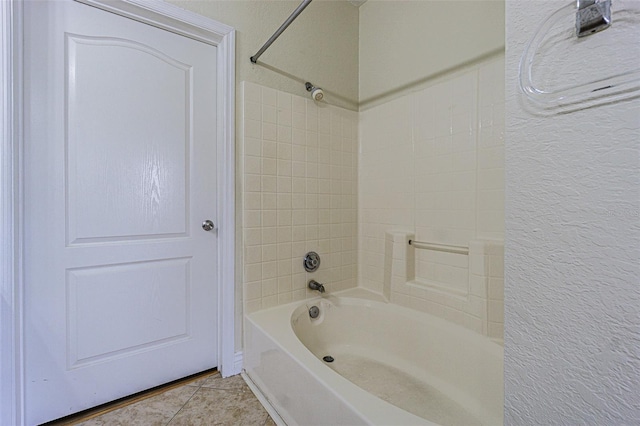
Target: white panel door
120	153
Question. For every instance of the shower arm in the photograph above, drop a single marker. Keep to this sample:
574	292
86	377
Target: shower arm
280	30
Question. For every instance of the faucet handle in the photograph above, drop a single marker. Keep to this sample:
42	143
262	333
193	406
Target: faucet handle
315	285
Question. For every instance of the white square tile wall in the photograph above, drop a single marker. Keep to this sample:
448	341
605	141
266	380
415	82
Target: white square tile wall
494	259
299	195
490	186
432	164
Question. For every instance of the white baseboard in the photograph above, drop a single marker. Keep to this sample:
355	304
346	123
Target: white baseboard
237	362
237	365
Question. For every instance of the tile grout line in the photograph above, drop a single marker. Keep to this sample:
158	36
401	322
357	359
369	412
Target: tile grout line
226	390
187	401
109	407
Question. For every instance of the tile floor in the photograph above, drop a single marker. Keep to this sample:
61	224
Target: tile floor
209	400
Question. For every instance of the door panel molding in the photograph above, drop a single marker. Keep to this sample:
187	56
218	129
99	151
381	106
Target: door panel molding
161	15
90	319
84	171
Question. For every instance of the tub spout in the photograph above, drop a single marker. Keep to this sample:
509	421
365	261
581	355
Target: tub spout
315	285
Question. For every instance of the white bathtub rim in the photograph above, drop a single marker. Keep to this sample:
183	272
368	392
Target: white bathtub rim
338	385
371	408
371	299
366	405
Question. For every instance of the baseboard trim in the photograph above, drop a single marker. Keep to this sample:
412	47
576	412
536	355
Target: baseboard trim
237	364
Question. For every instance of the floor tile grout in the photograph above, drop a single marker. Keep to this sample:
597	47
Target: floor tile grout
190	398
122	403
205	400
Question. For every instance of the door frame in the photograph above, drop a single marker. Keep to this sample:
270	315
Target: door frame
167	17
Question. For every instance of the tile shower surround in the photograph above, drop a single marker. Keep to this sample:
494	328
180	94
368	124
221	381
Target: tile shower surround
430	165
479	305
299	195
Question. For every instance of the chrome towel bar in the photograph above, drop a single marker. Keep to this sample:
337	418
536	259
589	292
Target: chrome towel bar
439	247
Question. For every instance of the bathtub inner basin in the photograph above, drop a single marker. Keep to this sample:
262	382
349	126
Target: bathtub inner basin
401	389
379	351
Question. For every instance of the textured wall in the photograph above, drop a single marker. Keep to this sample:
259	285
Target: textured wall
572	259
404	43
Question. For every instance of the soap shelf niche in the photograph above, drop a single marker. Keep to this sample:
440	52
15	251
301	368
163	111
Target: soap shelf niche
574	66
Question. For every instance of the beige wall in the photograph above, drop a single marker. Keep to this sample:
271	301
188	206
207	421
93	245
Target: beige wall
405	43
320	46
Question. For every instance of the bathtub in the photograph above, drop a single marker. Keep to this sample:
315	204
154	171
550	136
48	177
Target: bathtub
392	365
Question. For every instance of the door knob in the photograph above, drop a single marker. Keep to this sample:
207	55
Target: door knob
207	225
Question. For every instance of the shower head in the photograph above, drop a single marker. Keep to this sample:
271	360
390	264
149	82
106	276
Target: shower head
316	93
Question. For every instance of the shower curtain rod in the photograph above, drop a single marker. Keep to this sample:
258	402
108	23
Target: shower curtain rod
280	30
